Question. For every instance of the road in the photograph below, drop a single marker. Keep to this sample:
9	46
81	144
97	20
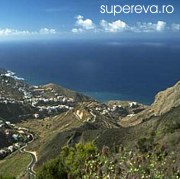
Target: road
30	167
94	116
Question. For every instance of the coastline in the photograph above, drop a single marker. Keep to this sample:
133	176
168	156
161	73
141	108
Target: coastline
105	97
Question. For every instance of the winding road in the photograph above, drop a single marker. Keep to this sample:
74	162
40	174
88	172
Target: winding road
30	167
94	116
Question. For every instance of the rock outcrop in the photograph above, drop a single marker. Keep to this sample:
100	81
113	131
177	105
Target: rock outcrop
164	102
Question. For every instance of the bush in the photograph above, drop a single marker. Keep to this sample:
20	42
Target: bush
172	127
84	161
52	169
69	163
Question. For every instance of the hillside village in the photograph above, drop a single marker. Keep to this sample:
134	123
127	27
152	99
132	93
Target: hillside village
47	100
22	101
16	136
50	117
41	101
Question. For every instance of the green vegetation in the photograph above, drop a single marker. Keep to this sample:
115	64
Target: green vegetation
14	165
6	177
85	161
172	127
69	163
145	144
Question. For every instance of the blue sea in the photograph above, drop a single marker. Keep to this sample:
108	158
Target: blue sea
103	69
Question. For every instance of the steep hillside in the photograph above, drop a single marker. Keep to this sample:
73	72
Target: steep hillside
154	131
60	117
53	116
164	102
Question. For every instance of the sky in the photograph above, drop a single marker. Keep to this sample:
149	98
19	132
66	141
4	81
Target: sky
53	19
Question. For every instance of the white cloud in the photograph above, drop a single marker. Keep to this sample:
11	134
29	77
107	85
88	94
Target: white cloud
47	31
8	32
175	27
83	24
86	24
14	32
116	26
150	27
160	26
77	30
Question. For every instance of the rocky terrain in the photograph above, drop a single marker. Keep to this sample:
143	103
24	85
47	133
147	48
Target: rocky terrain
165	101
58	117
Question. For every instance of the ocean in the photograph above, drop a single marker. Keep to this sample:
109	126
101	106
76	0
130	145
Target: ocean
103	69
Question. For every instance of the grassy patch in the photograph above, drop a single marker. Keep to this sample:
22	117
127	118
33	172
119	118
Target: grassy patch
15	165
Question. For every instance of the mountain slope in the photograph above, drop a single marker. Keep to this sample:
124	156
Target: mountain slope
60	117
164	102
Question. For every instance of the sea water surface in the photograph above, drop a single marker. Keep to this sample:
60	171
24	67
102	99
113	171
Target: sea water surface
105	70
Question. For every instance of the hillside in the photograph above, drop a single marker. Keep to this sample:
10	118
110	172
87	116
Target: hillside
58	117
103	129
20	101
164	102
47	114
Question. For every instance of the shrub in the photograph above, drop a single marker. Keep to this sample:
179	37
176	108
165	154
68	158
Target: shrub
145	144
172	127
69	163
84	161
52	169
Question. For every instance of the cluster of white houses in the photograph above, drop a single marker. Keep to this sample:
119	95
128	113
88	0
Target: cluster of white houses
16	134
42	104
10	149
130	108
104	109
6	100
41	100
51	105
